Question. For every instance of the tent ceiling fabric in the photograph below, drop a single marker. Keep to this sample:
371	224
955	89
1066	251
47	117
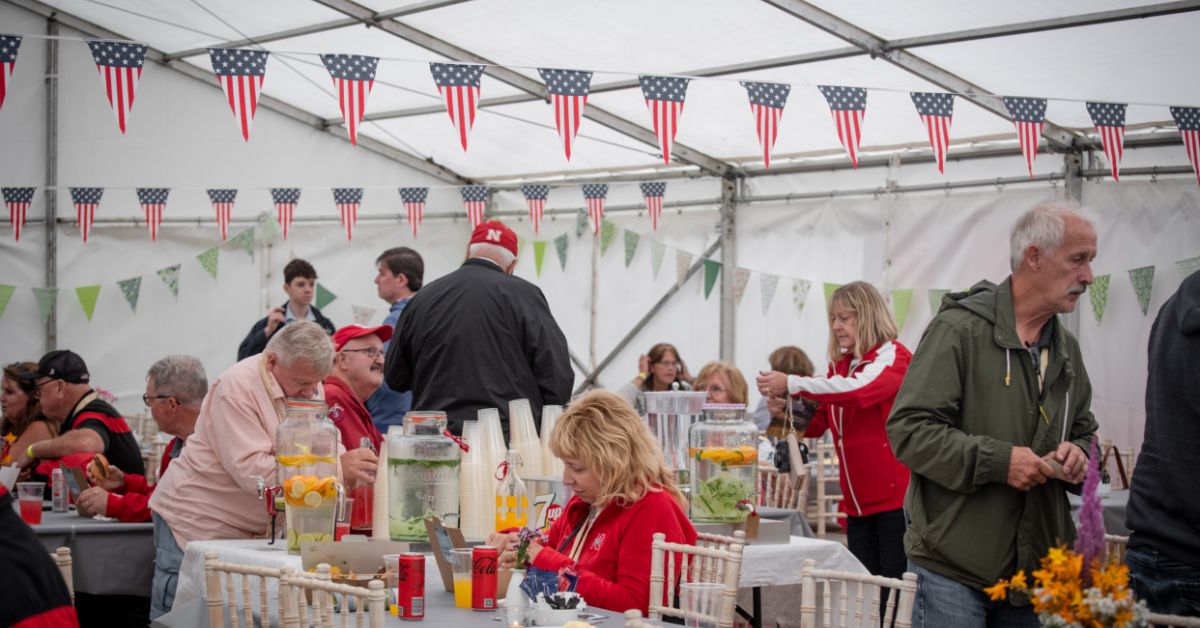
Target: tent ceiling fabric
623	38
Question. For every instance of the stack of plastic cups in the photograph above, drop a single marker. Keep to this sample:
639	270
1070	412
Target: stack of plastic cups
491	437
381	514
475	511
552	466
523	437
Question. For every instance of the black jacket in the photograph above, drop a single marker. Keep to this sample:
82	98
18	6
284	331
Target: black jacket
1159	514
34	594
479	338
256	340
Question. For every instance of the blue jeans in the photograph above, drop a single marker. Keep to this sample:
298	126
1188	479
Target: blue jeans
1167	585
946	603
167	557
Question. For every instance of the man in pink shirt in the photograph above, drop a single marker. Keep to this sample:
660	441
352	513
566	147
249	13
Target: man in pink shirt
212	489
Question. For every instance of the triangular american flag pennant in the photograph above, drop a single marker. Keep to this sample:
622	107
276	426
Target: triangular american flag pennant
766	103
535	196
17	200
936	110
414	204
285	200
653	192
353	76
153	202
1188	121
1109	120
459	86
475	198
568	91
222	201
120	66
1028	116
848	106
595	195
86	200
348	201
9	44
664	98
241	73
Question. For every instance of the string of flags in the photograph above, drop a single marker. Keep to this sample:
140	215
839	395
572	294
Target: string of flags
242	72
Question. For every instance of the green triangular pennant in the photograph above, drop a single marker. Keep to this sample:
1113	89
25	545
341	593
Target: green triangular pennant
1143	282
6	293
208	260
935	299
683	261
539	255
608	233
87	298
324	296
740	279
901	300
1098	293
800	290
245	241
45	298
170	276
1188	266
270	227
631	243
560	247
767	286
657	249
712	268
131	288
829	289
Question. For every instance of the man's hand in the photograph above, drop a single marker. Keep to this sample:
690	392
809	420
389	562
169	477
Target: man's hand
93	501
777	406
359	464
274	319
115	481
772	383
1074	462
21	460
1026	470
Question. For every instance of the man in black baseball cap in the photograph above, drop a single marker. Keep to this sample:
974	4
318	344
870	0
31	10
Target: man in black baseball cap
61	364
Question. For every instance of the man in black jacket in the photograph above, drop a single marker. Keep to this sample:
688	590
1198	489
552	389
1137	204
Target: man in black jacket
300	284
480	337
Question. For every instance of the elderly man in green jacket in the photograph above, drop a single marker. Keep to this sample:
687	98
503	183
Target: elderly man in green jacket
994	420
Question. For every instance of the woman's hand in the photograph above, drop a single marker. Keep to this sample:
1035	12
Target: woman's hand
506	545
644	365
772	383
777	407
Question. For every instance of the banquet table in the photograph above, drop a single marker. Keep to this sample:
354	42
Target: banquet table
108	558
1114	504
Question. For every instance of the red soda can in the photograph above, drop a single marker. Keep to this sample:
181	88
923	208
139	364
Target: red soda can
410	587
484	561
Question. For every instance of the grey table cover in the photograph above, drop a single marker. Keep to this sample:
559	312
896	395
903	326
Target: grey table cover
108	558
1115	504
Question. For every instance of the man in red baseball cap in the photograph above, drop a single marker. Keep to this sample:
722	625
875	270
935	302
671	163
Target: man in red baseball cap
480	337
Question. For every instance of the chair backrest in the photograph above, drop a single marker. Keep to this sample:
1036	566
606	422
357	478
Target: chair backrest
1114	547
672	564
826	598
824	475
1156	620
223	598
62	558
778	490
369	603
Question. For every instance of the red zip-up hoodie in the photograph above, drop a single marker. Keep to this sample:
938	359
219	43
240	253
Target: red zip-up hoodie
856	398
614	566
133	505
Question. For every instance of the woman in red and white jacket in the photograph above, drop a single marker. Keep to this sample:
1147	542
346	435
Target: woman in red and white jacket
866	367
624	495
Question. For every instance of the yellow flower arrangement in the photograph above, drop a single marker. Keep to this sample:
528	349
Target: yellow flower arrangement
1061	598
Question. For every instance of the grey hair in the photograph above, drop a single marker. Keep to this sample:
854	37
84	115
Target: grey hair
1043	227
306	341
181	377
494	252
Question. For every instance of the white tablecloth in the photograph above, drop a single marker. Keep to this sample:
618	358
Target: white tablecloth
776	568
254	552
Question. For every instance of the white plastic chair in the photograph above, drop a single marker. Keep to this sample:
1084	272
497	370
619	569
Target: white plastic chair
825	469
221	598
1172	621
778	490
369	603
826	600
62	558
672	564
1114	547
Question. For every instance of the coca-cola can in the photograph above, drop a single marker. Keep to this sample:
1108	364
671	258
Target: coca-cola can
484	561
410	586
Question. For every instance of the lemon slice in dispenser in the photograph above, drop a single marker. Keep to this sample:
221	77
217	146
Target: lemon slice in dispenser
308	536
312	499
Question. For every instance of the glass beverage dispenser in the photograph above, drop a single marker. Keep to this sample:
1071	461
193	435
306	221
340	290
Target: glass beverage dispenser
723	461
306	450
423	466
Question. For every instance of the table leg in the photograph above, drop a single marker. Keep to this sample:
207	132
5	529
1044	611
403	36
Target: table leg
755	617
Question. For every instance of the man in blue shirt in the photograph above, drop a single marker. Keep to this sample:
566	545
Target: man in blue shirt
401	272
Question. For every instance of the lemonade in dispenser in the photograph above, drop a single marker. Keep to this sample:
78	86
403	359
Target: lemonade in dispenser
306	449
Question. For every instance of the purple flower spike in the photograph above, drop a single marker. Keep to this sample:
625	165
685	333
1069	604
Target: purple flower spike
1090	540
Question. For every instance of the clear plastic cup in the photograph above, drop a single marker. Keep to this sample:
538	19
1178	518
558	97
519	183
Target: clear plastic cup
391	562
462	560
701	603
30	496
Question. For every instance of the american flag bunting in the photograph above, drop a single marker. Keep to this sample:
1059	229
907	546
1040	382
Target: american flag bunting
120	66
1028	116
766	103
414	204
241	73
1188	121
848	106
17	200
664	98
86	200
222	201
9	44
568	91
153	202
475	198
459	86
348	201
353	76
595	195
936	111
285	200
1109	120
653	192
535	196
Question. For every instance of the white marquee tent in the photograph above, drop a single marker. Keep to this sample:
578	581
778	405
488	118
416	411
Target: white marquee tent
894	221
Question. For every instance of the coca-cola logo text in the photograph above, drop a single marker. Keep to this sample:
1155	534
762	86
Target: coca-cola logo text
485	566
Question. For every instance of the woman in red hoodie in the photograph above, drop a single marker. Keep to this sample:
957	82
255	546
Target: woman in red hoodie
866	367
624	495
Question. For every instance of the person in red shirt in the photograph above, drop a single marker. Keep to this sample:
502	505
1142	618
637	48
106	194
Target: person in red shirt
623	496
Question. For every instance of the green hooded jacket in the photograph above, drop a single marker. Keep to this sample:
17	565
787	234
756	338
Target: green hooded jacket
970	396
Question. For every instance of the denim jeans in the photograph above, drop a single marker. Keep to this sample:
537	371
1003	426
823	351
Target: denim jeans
946	603
1167	585
167	557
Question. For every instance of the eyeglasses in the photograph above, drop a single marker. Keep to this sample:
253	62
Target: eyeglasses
39	385
147	399
371	353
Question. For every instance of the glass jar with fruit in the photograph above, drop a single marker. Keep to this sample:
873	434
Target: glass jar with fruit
423	464
722	463
306	450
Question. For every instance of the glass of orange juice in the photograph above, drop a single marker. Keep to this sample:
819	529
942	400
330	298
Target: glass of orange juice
462	576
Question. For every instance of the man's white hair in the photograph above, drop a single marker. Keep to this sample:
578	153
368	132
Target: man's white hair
303	341
494	252
1043	227
181	377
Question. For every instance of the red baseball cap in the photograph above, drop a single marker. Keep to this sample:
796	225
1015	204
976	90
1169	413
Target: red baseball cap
495	232
350	332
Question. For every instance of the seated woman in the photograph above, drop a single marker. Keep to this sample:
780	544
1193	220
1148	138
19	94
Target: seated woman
723	382
624	495
23	423
661	369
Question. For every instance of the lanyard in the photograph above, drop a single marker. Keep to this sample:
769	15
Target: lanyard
581	534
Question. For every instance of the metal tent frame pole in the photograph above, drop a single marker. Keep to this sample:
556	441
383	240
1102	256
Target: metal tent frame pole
51	272
730	188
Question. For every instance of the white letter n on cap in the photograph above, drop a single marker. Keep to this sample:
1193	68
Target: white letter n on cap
493	235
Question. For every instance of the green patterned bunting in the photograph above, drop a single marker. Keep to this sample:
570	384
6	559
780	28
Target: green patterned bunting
45	298
270	227
1188	266
539	255
767	285
87	298
657	249
208	260
740	279
935	299
6	293
608	233
800	290
712	269
324	296
131	288
901	300
829	289
1098	293
631	243
1143	283
170	276
560	247
245	241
